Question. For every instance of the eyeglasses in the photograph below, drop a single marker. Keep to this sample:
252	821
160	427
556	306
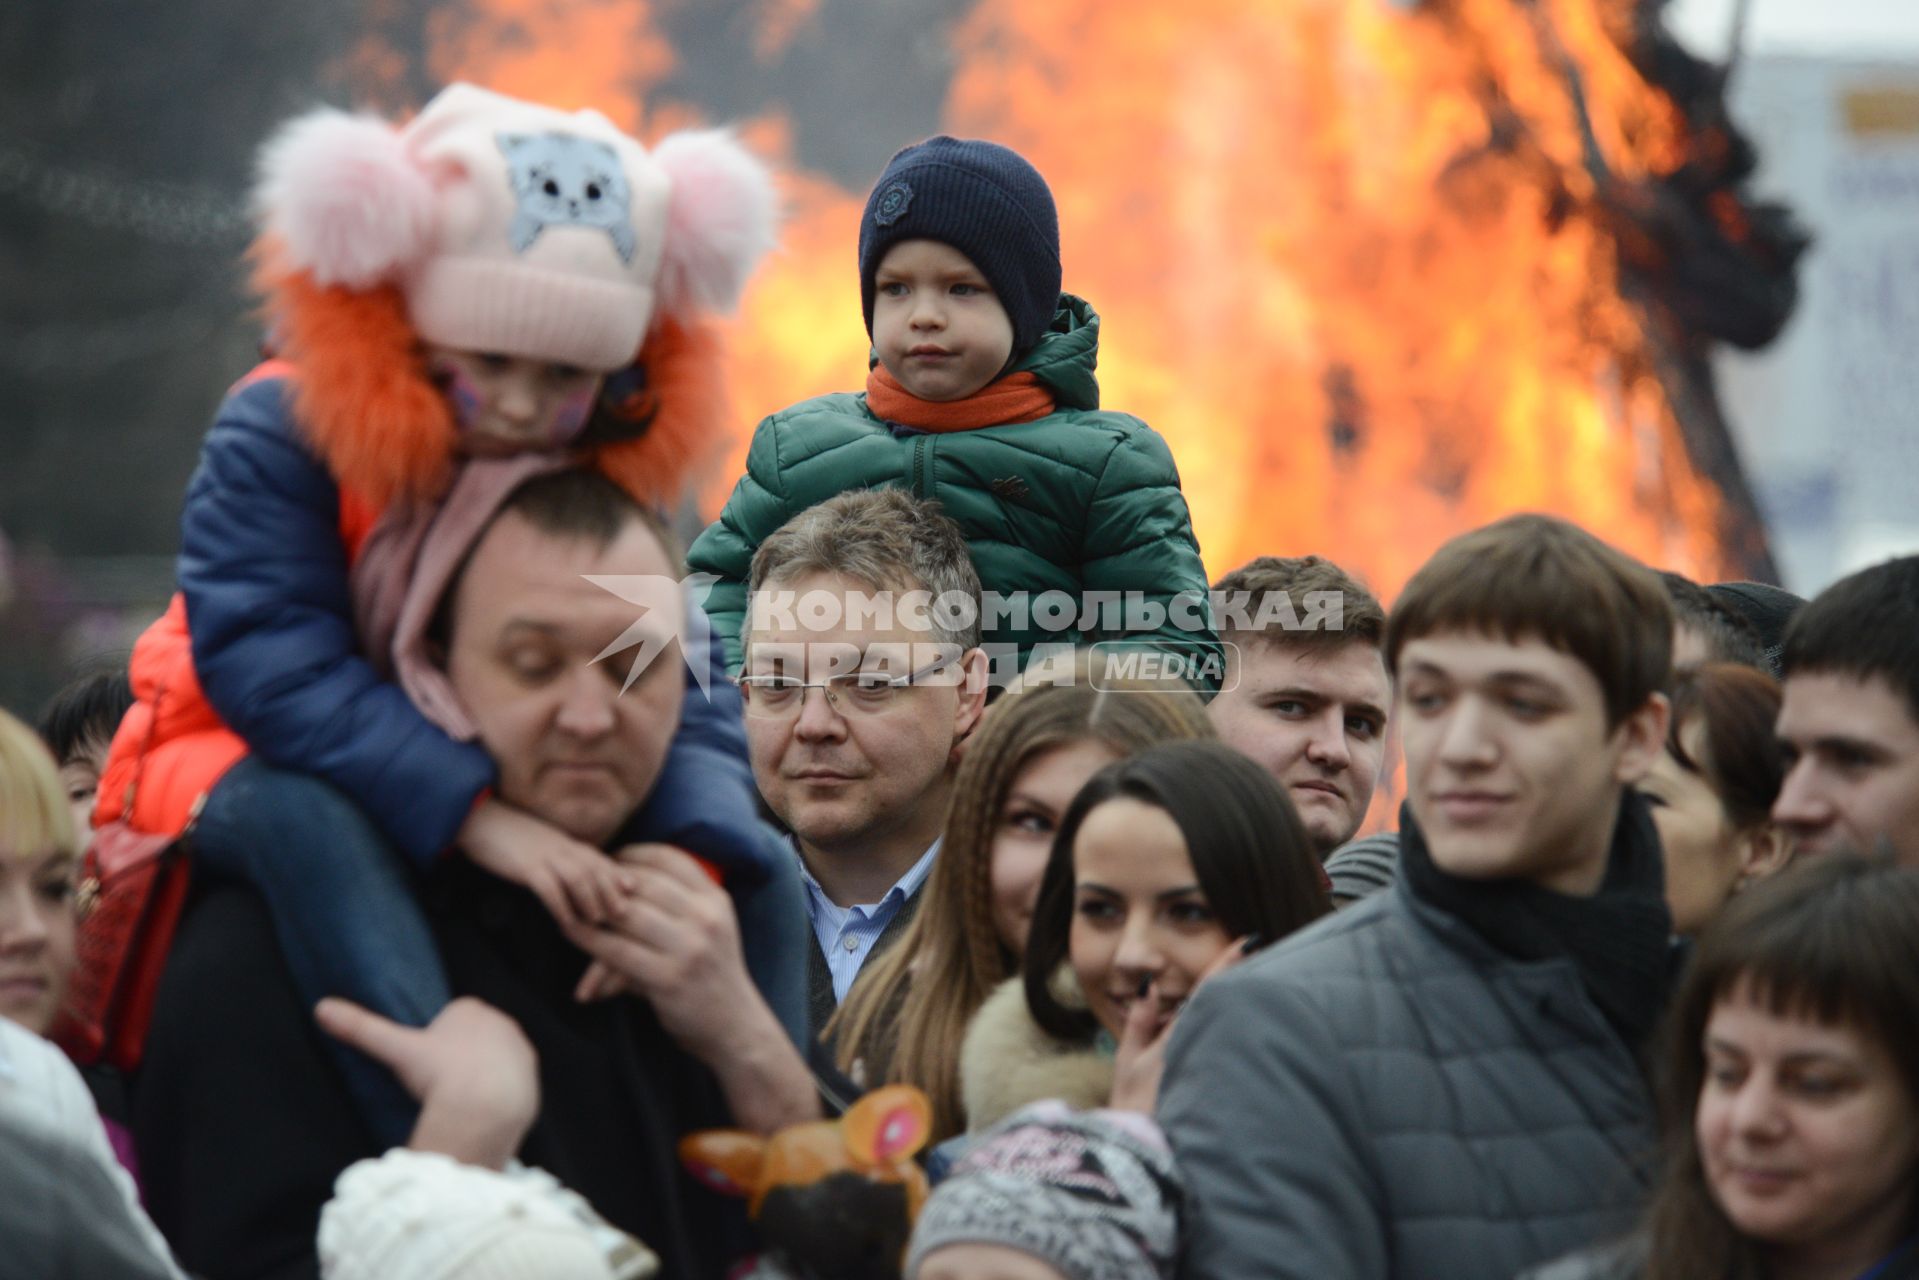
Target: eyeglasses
850	693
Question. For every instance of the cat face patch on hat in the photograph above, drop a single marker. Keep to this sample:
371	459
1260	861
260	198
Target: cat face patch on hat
564	180
548	231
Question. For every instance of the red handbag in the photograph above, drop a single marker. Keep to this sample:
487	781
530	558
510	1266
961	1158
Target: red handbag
133	885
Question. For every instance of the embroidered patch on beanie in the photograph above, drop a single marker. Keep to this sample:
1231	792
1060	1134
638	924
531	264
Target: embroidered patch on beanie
563	180
891	204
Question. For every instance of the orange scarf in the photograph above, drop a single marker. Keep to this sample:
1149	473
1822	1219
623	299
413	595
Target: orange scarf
1018	397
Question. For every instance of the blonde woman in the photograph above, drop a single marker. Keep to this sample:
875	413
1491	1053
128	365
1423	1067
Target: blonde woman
39	853
40	847
905	1018
67	1207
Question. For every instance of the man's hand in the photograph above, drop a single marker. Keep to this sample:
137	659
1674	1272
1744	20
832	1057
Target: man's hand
676	942
677	945
472	1069
1140	1063
578	884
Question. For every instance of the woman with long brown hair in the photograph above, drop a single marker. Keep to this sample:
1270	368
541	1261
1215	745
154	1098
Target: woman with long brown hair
1790	1091
906	1016
1168	867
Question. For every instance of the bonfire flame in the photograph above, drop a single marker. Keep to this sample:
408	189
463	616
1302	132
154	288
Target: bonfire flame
1377	274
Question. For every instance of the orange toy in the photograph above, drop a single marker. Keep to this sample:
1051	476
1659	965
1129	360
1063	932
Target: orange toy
832	1200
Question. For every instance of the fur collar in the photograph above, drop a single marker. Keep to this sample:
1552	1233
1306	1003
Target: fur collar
364	402
1008	1061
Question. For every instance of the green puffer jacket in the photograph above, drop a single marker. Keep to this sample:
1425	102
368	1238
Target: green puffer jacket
1078	502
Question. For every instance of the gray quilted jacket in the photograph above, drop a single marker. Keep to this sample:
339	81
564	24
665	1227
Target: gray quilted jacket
1386	1097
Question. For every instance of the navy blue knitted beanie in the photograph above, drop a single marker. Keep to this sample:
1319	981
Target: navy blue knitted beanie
984	200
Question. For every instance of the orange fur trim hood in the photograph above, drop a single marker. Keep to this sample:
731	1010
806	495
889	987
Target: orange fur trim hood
364	400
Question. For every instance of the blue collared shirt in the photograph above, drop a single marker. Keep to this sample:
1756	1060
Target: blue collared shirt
846	934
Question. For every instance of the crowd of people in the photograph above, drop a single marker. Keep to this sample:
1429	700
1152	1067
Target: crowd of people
406	907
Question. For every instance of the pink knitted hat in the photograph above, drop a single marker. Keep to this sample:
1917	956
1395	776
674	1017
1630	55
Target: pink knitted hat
515	228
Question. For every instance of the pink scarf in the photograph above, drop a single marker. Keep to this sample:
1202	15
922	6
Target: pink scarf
407	565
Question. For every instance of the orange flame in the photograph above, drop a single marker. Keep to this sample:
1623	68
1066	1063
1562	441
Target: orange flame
566	53
1353	262
1361	326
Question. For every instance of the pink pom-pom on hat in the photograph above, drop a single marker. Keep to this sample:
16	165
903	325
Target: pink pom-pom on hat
519	229
719	222
343	198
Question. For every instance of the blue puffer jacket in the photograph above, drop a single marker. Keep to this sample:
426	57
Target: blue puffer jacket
266	549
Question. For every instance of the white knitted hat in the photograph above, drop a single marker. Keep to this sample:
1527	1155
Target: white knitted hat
413	1215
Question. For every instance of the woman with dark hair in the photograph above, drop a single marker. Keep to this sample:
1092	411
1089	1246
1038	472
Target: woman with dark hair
1790	1091
1713	787
906	1016
1166	868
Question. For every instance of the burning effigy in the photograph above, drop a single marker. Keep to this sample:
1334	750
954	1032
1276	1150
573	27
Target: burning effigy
1378	271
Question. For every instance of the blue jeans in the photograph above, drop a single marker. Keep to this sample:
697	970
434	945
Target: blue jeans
343	903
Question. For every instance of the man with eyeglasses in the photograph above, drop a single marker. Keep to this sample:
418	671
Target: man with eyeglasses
862	675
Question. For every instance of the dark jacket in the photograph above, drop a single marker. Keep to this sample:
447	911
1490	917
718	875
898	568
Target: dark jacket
242	1123
820	1004
1078	501
1387	1096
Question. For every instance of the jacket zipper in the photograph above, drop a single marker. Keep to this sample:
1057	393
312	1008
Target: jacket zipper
919	467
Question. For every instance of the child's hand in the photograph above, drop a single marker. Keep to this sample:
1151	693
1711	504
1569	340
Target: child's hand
601	980
677	944
580	885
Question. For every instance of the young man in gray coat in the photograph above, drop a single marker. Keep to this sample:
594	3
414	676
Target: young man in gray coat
1443	1082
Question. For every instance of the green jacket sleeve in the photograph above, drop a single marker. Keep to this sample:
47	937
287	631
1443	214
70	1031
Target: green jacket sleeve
757	507
1140	544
